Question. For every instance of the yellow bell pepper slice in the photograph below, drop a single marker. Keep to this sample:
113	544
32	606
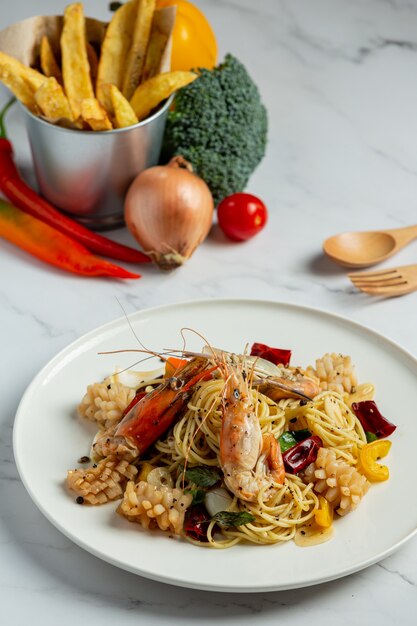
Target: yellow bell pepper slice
324	514
368	457
145	470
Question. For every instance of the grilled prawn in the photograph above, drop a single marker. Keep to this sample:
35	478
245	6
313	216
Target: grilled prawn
290	384
251	462
153	414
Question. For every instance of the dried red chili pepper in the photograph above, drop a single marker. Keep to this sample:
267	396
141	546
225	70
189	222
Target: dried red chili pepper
371	419
277	356
196	523
26	199
298	457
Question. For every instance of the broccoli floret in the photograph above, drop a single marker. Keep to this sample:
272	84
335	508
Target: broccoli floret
219	124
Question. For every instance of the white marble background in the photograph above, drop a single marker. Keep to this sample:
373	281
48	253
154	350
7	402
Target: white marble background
340	82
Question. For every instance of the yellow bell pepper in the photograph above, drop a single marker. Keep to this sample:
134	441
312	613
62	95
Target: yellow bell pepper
145	470
324	514
368	457
193	41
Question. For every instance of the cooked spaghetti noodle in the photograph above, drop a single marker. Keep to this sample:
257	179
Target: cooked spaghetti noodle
269	507
195	440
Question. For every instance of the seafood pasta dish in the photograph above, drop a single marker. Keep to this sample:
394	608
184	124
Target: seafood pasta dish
221	448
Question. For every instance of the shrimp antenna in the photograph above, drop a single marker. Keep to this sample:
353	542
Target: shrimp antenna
130	324
198	335
251	375
184	342
125	369
145	349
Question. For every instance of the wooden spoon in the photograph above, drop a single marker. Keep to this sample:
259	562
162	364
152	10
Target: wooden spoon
362	249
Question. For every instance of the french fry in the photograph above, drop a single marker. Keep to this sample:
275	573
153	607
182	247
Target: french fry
20	88
94	114
115	46
149	94
117	107
124	115
137	53
49	64
124	73
104	97
92	62
11	66
52	101
75	66
156	47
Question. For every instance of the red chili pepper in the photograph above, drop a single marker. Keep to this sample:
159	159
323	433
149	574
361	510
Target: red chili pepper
298	457
51	246
371	419
274	355
24	197
196	523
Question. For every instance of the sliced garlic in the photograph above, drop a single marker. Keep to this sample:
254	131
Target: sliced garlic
218	499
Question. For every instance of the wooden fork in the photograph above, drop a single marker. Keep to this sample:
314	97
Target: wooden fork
396	281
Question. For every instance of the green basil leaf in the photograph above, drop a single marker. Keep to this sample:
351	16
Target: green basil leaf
198	495
226	519
370	436
203	476
300	435
287	441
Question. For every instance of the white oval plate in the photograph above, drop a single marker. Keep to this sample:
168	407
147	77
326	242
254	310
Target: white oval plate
48	440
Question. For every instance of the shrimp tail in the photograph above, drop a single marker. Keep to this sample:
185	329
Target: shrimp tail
273	457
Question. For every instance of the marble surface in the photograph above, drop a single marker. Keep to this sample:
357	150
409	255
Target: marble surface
338	79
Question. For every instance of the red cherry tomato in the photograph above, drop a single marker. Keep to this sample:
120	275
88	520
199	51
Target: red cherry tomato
241	216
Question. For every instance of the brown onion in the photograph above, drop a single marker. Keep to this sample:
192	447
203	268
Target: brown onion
169	211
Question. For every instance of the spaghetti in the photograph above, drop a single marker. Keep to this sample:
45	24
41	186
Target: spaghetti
195	440
228	439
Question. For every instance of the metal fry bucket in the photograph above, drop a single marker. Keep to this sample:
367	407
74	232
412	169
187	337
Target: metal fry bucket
87	173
